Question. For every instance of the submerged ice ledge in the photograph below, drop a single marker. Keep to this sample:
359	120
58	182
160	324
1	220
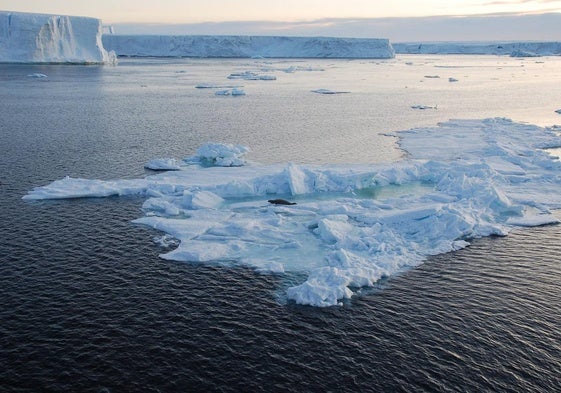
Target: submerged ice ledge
353	224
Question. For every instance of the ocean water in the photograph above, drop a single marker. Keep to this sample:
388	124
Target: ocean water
87	305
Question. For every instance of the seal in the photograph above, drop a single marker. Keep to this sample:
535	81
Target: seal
281	202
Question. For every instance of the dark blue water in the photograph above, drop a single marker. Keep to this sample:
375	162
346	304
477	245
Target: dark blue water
86	304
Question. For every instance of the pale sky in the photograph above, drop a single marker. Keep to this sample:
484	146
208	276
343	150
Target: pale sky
197	11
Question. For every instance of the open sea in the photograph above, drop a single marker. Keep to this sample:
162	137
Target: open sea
86	304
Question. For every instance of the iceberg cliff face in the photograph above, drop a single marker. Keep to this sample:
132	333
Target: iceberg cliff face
39	38
248	46
515	49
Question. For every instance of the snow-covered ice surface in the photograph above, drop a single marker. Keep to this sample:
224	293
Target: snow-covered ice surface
249	46
40	38
353	224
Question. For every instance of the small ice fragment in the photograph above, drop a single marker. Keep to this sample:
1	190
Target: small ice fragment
558	111
163	164
238	92
327	91
452	80
248	75
37	75
423	107
230	92
219	154
432	76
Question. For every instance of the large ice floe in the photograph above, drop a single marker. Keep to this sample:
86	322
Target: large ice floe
353	224
40	38
248	46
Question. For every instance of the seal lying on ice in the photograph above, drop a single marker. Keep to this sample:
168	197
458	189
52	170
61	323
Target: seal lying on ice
281	202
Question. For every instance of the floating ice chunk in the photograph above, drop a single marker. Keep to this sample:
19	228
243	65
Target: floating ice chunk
492	176
221	154
86	188
327	91
293	69
423	107
558	111
233	92
163	164
199	251
206	86
238	92
432	76
533	221
452	79
215	86
249	75
37	75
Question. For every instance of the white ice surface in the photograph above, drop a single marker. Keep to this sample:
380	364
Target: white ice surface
163	164
352	224
39	38
248	46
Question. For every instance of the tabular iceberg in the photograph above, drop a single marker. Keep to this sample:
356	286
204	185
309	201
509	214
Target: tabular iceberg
353	224
514	49
248	46
40	38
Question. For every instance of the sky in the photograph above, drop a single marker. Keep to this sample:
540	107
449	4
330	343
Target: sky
359	18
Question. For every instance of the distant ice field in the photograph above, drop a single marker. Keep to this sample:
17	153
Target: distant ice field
371	201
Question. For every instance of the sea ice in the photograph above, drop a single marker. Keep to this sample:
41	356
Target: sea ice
37	75
352	224
220	154
327	91
163	164
230	92
252	76
423	107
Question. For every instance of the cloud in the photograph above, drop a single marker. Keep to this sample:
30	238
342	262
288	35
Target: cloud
512	27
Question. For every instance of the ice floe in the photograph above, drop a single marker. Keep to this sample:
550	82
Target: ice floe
352	224
423	107
252	76
220	154
230	92
328	91
37	75
163	164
